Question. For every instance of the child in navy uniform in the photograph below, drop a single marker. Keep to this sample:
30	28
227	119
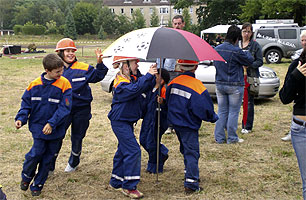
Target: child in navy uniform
148	133
45	104
188	104
125	111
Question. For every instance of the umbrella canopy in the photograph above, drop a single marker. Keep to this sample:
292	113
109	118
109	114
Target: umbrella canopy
161	42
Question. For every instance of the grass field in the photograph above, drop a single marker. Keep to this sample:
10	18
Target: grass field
263	167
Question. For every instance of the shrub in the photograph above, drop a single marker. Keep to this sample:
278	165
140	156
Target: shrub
17	29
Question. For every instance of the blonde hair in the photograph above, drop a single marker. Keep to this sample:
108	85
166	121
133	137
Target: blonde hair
303	33
121	73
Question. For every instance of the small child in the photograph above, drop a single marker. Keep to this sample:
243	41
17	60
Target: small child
45	104
148	133
188	104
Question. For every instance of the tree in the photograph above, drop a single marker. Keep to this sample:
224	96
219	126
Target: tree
124	25
154	20
274	9
84	15
187	19
219	12
138	19
182	3
6	13
70	30
51	27
107	20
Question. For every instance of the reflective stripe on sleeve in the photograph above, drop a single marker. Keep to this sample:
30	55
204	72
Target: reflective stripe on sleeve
36	98
181	93
78	79
54	100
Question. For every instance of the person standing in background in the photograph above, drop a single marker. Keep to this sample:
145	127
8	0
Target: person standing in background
247	43
230	85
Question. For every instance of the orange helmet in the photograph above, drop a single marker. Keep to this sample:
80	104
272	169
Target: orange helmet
118	59
65	43
187	62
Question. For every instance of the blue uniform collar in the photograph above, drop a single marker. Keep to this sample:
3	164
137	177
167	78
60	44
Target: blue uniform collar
189	74
46	81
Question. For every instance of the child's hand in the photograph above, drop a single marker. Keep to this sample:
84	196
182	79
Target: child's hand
99	55
47	130
153	69
18	124
160	100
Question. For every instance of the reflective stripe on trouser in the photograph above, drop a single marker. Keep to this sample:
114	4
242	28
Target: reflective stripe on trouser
79	121
42	154
127	159
189	147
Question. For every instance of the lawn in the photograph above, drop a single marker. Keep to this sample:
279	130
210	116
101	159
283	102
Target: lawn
263	167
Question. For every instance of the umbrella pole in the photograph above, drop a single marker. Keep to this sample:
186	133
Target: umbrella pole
158	120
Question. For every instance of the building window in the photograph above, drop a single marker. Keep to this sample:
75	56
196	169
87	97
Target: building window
163	1
127	1
141	10
191	10
122	10
151	11
112	10
132	10
146	1
178	11
163	10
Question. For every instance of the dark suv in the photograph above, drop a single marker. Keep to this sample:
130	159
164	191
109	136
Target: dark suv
278	41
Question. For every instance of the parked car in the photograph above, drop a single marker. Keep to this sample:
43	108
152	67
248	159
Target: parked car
278	41
269	82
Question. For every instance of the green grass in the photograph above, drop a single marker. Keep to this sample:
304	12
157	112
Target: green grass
263	167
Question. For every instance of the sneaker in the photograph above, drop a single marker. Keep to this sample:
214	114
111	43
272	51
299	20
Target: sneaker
69	168
35	193
134	194
113	188
287	137
240	140
245	131
24	185
168	131
191	191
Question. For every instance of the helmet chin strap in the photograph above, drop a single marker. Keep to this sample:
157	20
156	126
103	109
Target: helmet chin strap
128	63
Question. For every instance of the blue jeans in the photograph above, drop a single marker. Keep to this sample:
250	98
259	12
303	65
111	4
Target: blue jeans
229	102
298	138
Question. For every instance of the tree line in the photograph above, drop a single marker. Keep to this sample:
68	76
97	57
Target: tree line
78	17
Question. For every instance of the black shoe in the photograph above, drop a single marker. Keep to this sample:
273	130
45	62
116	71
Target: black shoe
24	185
35	193
191	191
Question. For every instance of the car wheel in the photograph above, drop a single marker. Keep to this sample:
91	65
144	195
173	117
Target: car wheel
273	56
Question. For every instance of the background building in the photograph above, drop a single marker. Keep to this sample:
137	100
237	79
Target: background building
164	9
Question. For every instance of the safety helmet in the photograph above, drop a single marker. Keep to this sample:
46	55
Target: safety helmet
187	62
65	43
118	59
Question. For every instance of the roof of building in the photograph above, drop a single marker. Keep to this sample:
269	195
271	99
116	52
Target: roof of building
136	2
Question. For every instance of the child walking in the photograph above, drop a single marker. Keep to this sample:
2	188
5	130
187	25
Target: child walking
188	104
149	127
45	104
